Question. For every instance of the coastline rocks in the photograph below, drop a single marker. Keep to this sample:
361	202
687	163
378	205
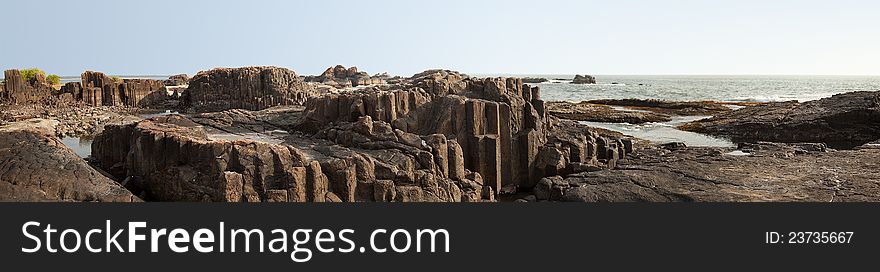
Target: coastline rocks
588	111
177	80
252	88
98	89
583	79
682	108
534	80
757	173
842	121
35	166
341	77
18	90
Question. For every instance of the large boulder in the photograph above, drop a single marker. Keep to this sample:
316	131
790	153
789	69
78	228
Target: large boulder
36	166
252	88
583	79
842	121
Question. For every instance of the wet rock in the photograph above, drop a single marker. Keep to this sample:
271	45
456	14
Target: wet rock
681	108
36	166
586	111
534	80
843	121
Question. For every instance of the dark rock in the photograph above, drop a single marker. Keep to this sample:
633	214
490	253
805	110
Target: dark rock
771	172
533	80
252	88
586	111
842	121
686	108
35	166
177	80
583	79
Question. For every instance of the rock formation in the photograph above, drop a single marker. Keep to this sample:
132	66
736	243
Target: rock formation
534	80
842	121
98	89
18	90
440	136
35	166
177	80
583	79
489	118
586	111
341	77
759	172
252	88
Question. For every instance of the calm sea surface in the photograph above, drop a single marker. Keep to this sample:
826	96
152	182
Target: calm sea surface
696	88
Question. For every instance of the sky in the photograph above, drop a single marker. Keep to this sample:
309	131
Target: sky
626	37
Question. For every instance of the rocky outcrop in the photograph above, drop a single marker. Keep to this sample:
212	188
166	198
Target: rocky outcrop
341	77
177	80
842	121
583	79
174	158
251	88
681	108
586	111
18	90
534	80
500	123
98	89
755	173
462	139
35	166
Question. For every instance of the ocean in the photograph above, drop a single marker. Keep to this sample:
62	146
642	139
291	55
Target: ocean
700	88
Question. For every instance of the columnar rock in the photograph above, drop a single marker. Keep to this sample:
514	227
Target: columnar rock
499	124
19	90
171	159
100	90
36	166
252	88
341	77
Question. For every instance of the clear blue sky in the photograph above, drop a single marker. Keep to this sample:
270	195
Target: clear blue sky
404	37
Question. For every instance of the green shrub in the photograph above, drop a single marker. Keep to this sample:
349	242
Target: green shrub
53	79
116	79
30	75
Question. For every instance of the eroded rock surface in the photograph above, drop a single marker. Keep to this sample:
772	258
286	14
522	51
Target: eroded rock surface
440	136
341	77
252	88
757	172
586	111
842	121
36	166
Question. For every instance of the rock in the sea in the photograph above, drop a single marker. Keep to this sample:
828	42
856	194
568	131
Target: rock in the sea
586	111
583	79
36	166
683	108
533	80
252	88
842	121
